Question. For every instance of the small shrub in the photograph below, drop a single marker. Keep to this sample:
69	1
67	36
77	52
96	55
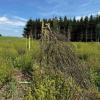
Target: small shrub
6	70
24	63
21	51
83	57
95	77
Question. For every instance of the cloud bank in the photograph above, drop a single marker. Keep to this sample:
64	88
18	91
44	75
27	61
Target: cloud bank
12	26
15	21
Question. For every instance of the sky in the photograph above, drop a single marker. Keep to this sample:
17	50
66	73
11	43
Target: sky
15	13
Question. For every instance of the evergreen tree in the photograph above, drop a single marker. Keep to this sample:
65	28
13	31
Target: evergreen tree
61	25
91	26
65	25
86	28
55	25
28	28
69	31
98	32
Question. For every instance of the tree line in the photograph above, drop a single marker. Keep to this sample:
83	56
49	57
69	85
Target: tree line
84	29
0	35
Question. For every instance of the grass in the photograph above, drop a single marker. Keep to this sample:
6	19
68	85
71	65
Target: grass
15	55
90	52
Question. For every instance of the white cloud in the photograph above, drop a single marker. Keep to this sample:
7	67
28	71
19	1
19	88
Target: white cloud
14	21
94	14
19	18
98	13
12	26
78	17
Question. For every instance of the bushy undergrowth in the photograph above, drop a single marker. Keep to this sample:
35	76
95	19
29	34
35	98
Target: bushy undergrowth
45	83
51	85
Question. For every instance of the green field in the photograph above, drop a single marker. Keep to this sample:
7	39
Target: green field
16	58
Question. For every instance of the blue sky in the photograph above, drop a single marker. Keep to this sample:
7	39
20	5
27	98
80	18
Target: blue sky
15	13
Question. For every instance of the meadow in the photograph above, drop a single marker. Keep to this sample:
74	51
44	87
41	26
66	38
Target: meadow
18	64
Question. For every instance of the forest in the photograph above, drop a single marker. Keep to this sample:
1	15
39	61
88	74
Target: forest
85	29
